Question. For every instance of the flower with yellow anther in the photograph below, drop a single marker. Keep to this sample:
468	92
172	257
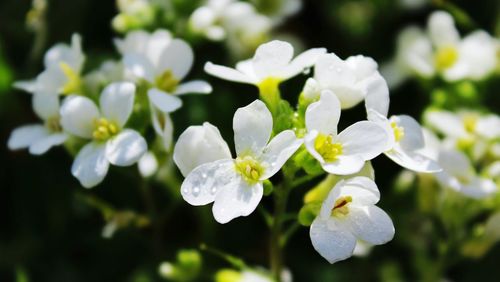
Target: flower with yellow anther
73	81
405	141
234	185
39	138
347	215
110	142
344	153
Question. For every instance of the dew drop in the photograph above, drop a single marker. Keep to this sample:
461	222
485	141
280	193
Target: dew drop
204	175
196	191
213	190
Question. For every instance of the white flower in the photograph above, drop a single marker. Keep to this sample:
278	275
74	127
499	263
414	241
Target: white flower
464	124
349	214
235	185
197	145
110	141
272	62
440	50
210	19
148	164
63	65
39	138
404	142
344	153
459	175
353	80
163	62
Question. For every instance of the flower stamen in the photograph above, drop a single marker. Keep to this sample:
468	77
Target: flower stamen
167	81
249	168
341	207
104	129
445	57
326	148
399	131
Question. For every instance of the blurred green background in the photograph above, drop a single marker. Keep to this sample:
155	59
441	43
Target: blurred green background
49	232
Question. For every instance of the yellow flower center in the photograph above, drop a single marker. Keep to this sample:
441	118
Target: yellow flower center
167	81
73	81
341	207
445	57
326	148
249	168
399	132
53	124
104	129
470	122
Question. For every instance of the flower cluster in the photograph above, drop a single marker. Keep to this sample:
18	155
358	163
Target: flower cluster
146	82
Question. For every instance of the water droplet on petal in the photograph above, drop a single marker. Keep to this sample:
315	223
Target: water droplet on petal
196	191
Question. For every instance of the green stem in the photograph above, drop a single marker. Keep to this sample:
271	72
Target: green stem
270	93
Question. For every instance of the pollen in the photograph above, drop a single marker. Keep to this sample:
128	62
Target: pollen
249	168
325	146
104	129
167	81
53	124
399	131
73	81
445	57
470	122
341	207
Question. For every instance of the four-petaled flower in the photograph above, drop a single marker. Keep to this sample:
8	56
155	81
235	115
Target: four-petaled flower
346	152
235	185
110	141
349	214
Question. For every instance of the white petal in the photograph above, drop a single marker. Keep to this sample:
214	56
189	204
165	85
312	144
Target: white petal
165	102
446	123
413	138
324	114
78	114
370	224
278	151
29	86
202	184
139	66
272	57
117	101
194	86
198	145
362	189
238	199
442	30
309	141
377	97
333	245
90	165
455	163
148	164
176	57
413	161
489	127
303	61
228	73
344	165
480	188
134	42
46	105
365	139
43	145
330	70
158	41
477	50
383	122
22	137
252	127
126	148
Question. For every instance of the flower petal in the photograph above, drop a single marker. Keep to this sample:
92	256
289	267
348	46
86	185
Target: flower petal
43	145
365	139
370	224
413	138
90	165
203	183
363	190
278	151
271	58
445	122
238	199
377	97
22	137
344	165
117	101
252	127
29	86
324	114
333	245
194	86
176	57
46	105
198	145
78	114
479	188
228	73
442	30
139	66
302	62
126	148
163	101
413	161
147	164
